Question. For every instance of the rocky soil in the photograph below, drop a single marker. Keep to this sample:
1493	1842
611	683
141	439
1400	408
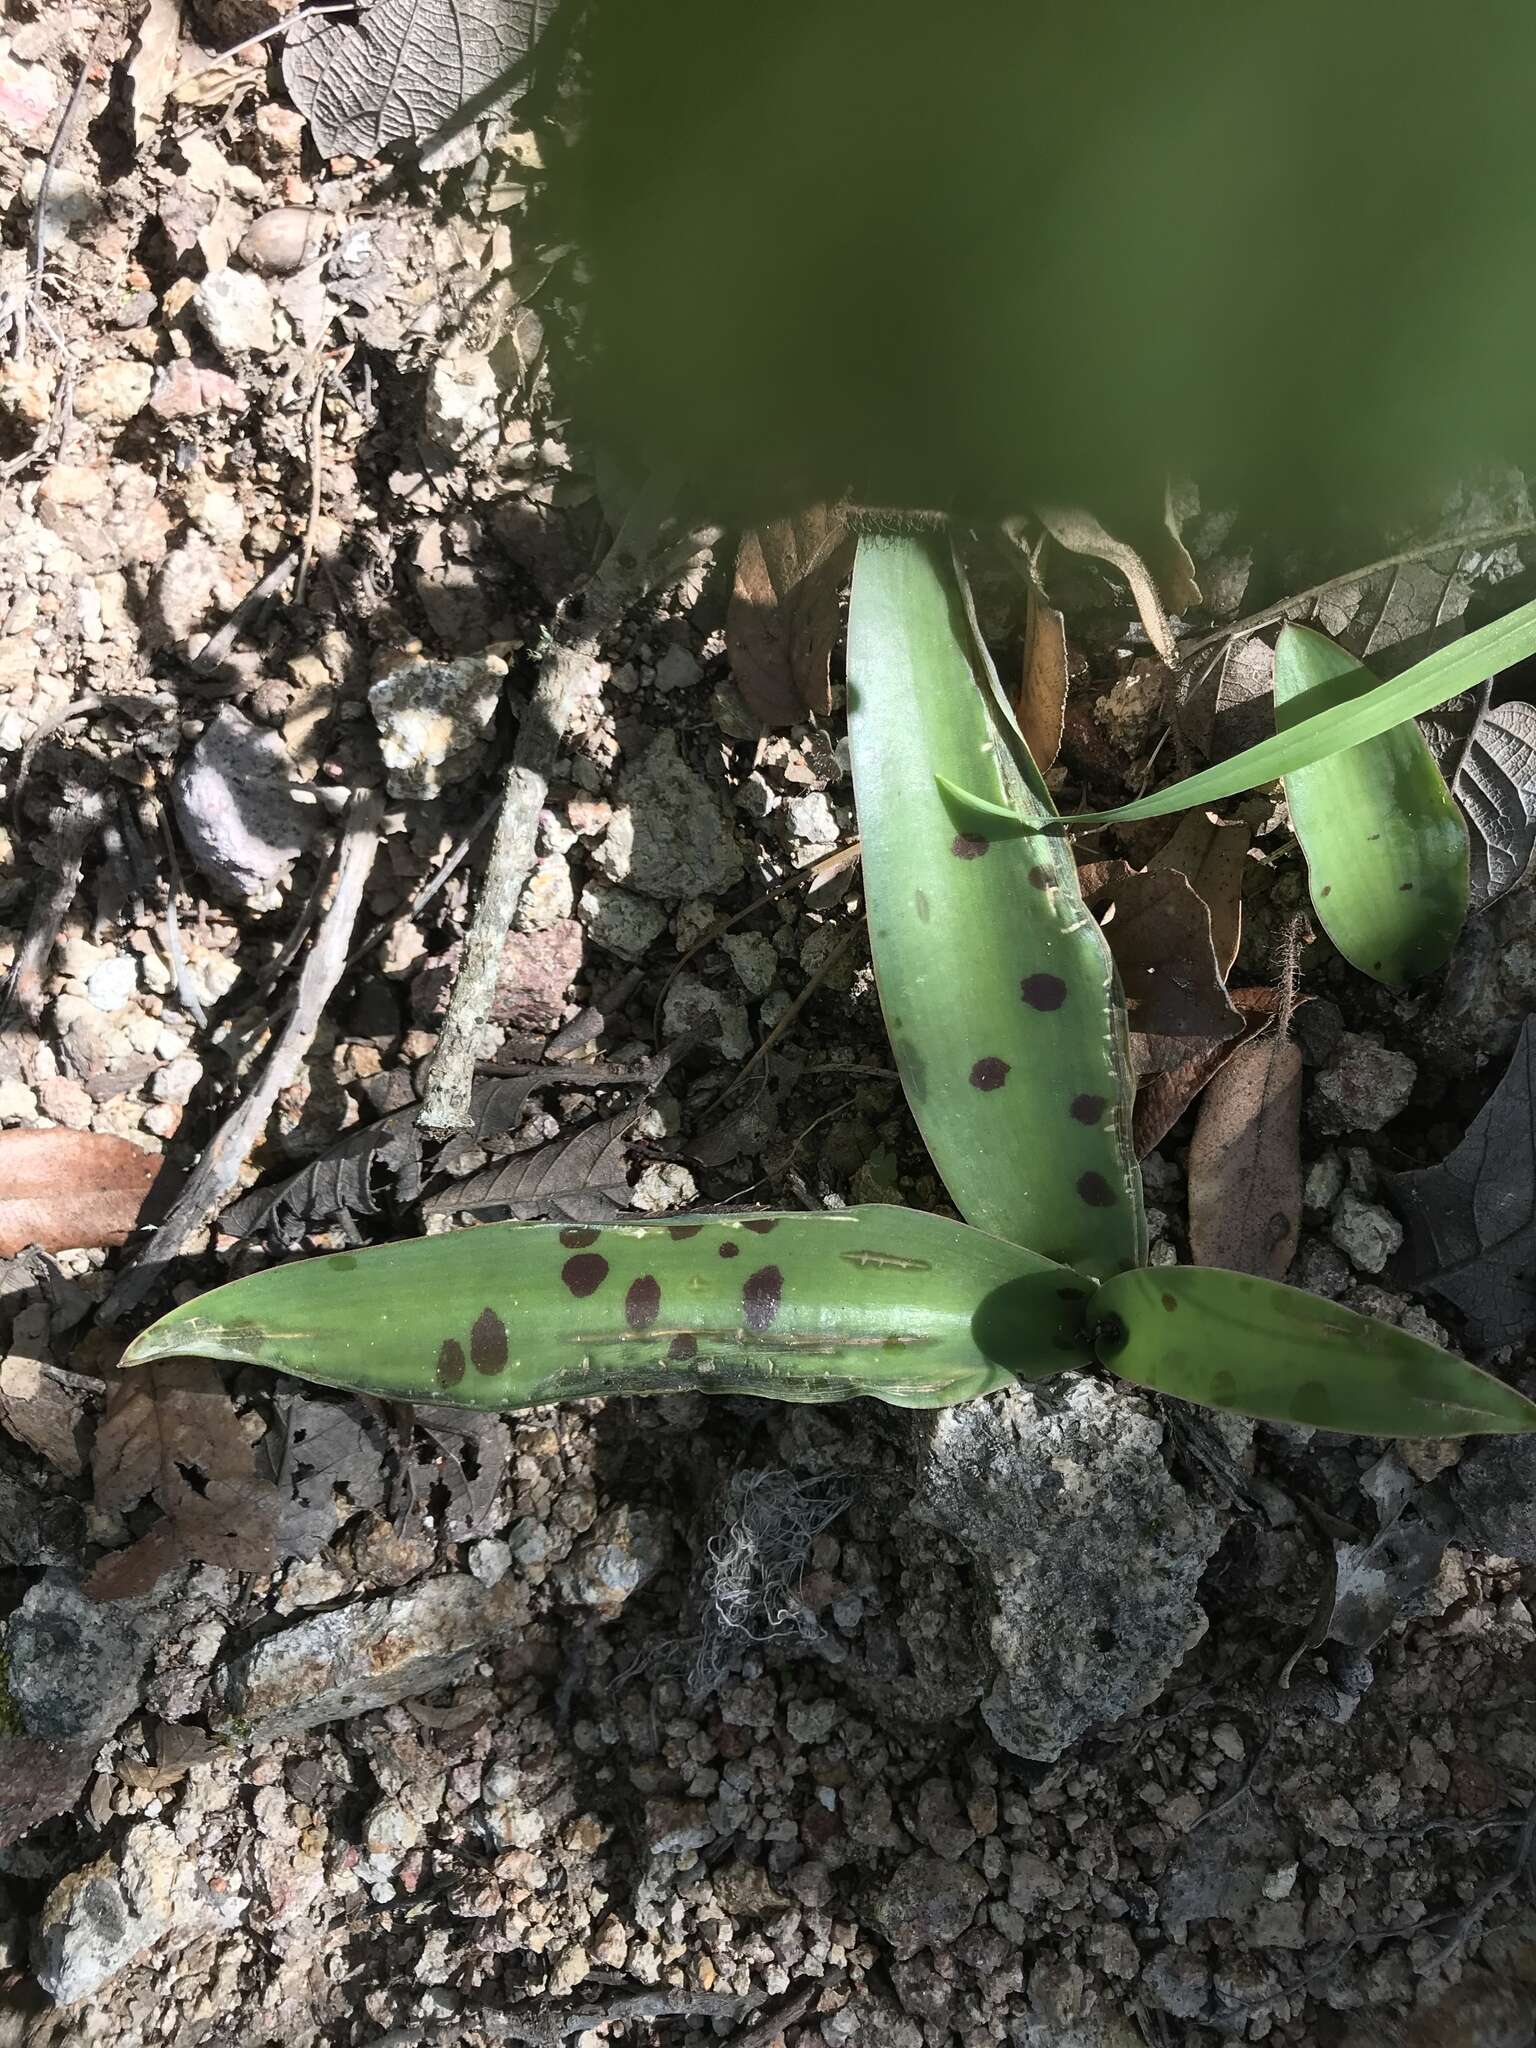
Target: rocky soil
1067	1718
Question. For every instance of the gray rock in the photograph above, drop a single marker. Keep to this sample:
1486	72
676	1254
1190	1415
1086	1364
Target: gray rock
671	838
234	802
462	403
113	984
621	922
73	1666
1363	1086
1364	1232
1176	1981
433	719
755	959
624	1548
236	309
1494	1487
374	1653
673	1827
97	1920
677	670
692	1005
812	821
1062	1496
926	1903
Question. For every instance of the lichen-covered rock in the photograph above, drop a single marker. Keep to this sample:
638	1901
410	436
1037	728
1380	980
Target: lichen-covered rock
927	1902
353	1659
1363	1086
433	719
670	838
97	1920
73	1665
1091	1553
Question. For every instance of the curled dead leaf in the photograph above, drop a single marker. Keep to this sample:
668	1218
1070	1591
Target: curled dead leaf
784	614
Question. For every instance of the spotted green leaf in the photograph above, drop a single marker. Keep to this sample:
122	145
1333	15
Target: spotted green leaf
1439	676
908	1308
1385	844
999	993
1256	1347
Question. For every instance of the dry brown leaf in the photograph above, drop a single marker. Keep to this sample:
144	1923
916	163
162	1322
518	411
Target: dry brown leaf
66	1190
1162	1098
1213	858
1245	1162
784	616
1159	932
170	1433
152	65
1081	534
1175	571
1042	699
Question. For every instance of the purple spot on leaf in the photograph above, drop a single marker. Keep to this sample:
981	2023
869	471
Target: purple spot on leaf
760	1297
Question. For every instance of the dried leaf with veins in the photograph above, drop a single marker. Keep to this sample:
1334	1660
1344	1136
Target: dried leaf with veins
1212	857
1163	1098
64	1190
784	615
1496	788
1472	1219
170	1433
1159	931
1245	1161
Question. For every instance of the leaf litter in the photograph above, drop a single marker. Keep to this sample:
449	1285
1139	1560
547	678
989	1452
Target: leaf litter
1472	1219
784	615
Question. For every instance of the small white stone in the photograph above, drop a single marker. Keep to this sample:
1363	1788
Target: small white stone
236	309
113	983
663	1187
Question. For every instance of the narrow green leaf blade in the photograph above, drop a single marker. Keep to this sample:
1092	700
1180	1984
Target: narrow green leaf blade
1005	1017
888	1302
1444	674
1386	845
1256	1347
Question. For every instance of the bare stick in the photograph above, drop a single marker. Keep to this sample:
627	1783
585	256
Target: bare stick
216	1172
73	828
566	669
550	2025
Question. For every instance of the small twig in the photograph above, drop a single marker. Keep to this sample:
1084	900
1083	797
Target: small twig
50	165
219	1167
73	828
784	2012
550	2026
565	671
834	959
427	889
219	644
186	994
323	382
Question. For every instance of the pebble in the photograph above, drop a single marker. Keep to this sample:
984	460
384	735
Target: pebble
677	670
237	312
114	392
1067	1506
619	921
927	1903
490	1559
692	1005
670	837
234	802
1363	1086
434	720
114	983
755	960
812	822
282	241
1366	1233
622	1551
662	1187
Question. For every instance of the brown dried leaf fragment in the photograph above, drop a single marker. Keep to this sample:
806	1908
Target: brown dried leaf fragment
1041	706
170	1433
784	615
1159	931
64	1190
1162	1098
1245	1162
1212	856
